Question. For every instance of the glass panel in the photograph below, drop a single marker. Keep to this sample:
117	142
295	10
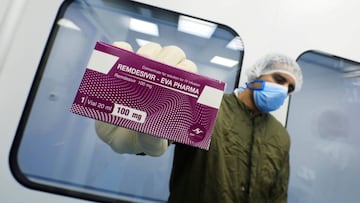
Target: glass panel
57	151
323	124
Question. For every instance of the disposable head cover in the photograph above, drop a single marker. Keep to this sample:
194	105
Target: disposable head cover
277	63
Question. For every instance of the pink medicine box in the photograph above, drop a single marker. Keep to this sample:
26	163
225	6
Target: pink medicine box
128	90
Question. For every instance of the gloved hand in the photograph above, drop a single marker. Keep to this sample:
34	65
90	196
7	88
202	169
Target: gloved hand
123	140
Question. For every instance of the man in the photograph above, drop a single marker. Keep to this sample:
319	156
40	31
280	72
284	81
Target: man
248	159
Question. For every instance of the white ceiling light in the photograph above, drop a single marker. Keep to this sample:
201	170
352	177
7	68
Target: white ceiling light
223	61
144	27
235	44
68	24
196	27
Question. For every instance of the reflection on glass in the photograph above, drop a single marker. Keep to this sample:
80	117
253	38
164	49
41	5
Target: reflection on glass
59	151
196	27
323	124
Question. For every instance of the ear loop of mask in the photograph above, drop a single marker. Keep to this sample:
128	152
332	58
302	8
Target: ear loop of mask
256	85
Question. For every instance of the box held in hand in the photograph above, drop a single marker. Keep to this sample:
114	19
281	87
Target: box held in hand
128	90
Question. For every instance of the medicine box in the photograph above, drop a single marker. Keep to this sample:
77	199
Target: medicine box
128	90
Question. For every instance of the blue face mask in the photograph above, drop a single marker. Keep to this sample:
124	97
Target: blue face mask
268	96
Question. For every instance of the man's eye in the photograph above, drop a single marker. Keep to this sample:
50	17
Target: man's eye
279	79
282	80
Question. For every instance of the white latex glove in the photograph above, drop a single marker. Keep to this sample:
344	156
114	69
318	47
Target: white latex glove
123	140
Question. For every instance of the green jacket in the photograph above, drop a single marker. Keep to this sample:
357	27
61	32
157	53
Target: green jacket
248	160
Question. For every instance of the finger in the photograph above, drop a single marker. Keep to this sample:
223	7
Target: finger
121	140
123	45
151	145
149	50
104	130
171	55
187	65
